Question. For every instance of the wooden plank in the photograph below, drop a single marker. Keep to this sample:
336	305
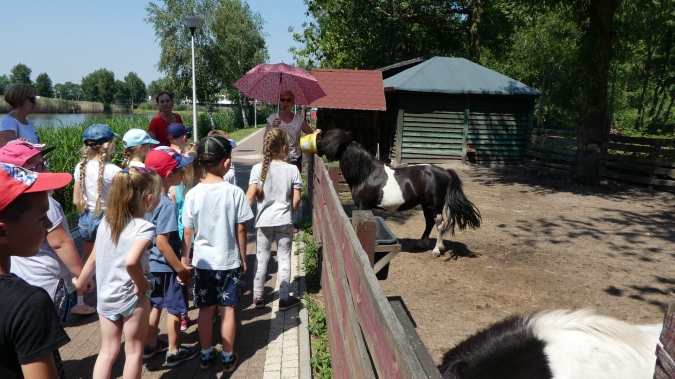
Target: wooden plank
496	135
520	144
338	358
638	149
395	248
664	363
637	179
418	346
558	166
451	144
356	351
553	140
660	162
553	156
413	133
640	168
434	160
560	132
654	142
364	225
449	138
438	117
399	129
333	170
432	153
552	149
530	116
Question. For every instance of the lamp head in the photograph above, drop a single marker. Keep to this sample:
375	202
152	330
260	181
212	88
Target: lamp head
192	22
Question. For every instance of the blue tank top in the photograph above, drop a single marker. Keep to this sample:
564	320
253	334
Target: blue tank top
180	200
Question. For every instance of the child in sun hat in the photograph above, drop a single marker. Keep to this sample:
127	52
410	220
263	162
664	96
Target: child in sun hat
215	213
137	144
32	332
165	261
58	258
93	176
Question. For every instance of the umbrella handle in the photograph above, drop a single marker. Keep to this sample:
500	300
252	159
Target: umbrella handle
279	95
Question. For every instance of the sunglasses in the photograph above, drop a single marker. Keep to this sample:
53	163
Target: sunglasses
41	166
32	99
284	100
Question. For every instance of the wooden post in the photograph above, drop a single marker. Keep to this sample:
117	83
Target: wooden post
465	131
365	226
334	175
310	185
665	366
398	147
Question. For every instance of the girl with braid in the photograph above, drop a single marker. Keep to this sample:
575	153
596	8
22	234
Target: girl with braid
93	176
276	186
137	144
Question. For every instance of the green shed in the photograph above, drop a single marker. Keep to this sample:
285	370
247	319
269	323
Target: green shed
446	109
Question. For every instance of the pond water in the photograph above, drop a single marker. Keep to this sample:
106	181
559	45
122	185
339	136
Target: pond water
42	120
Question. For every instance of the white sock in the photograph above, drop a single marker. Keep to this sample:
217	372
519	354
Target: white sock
80	299
227	355
207	351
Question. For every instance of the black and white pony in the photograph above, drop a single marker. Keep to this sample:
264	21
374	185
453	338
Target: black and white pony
375	185
558	344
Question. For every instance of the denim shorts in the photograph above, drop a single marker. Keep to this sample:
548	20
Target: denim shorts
217	287
168	293
88	225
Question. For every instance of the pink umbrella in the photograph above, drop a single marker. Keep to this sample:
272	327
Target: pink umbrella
266	81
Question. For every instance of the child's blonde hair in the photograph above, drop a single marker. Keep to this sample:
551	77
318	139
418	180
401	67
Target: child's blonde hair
132	152
102	153
128	193
219	133
275	147
193	172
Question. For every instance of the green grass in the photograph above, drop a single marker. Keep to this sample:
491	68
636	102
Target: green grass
240	134
320	361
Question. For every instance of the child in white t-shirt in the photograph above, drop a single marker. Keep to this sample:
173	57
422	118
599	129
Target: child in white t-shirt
215	214
121	259
276	185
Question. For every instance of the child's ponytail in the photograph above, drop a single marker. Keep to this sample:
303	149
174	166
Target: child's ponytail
127	198
274	147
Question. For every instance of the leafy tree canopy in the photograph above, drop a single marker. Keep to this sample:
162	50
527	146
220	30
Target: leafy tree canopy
20	74
43	86
4	83
99	86
69	91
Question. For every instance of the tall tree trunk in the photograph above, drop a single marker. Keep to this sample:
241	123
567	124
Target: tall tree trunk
597	55
209	111
243	112
670	107
474	30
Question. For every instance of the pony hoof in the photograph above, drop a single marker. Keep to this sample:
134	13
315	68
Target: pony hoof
436	253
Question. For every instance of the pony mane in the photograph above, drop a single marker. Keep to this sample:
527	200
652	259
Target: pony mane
604	328
356	163
333	144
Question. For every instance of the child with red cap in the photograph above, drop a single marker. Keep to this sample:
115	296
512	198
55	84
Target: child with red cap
58	257
165	261
31	329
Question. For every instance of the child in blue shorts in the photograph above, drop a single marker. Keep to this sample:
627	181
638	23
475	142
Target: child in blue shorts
215	213
165	263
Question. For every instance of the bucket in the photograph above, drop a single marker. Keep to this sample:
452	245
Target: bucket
308	143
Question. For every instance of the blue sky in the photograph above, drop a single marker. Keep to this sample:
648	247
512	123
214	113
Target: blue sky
70	39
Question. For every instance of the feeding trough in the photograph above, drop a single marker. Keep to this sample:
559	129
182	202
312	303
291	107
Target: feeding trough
386	248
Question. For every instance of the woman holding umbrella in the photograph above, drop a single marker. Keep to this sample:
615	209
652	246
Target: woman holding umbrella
292	124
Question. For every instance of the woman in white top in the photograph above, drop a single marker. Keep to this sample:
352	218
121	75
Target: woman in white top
292	124
15	125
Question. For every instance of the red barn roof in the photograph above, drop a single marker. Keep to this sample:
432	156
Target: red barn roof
350	89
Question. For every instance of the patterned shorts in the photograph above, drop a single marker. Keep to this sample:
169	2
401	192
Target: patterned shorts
217	287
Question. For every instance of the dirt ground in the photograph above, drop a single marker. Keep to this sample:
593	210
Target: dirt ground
544	243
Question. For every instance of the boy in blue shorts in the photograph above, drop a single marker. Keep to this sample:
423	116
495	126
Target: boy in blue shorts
165	263
31	331
215	213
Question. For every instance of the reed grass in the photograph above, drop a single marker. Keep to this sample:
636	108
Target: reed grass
46	105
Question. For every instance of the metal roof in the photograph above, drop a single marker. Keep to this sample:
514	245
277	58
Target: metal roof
457	76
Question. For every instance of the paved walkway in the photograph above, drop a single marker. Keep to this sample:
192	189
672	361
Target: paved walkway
268	341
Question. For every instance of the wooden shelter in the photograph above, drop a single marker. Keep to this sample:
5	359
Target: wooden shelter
446	109
354	102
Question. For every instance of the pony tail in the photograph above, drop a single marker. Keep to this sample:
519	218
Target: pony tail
260	193
101	165
119	200
128	155
82	204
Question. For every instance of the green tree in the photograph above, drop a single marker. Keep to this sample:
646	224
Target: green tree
43	86
164	84
69	91
99	86
135	87
4	83
20	74
122	93
228	43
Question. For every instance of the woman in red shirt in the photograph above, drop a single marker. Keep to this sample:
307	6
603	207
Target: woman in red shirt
165	117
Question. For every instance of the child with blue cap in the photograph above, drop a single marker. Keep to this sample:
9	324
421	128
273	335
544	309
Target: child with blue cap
137	145
178	135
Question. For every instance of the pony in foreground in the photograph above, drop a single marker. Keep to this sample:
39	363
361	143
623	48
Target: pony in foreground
375	185
558	344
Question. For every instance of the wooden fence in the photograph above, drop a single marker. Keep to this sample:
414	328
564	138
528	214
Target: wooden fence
648	161
368	337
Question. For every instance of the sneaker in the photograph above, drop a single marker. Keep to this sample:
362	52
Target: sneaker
207	359
149	351
184	322
229	365
288	304
82	309
183	354
259	303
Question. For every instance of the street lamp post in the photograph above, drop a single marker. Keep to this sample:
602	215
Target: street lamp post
192	23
